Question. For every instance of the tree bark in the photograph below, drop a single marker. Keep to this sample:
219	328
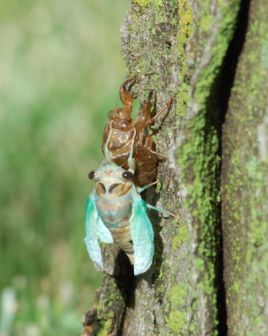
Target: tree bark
179	48
245	183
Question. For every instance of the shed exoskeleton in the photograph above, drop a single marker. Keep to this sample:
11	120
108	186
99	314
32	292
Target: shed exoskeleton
121	129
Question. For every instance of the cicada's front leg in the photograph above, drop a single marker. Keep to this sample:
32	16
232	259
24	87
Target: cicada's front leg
145	120
125	94
123	114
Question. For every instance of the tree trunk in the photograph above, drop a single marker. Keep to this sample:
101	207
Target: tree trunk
245	183
182	48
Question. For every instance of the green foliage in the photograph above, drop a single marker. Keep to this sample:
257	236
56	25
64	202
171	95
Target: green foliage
60	70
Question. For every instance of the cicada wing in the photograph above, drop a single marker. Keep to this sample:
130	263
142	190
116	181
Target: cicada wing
95	231
104	234
91	226
142	235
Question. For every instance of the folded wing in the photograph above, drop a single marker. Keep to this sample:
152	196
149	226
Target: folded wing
142	236
95	231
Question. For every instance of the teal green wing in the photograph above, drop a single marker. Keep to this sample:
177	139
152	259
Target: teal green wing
142	235
95	231
104	234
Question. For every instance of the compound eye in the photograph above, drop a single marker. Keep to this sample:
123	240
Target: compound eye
91	175
128	175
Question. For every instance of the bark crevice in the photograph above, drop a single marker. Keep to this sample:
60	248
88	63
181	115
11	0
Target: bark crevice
231	59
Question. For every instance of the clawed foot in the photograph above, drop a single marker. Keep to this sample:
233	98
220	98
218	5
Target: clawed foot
125	92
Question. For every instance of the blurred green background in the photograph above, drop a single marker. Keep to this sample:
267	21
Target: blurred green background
60	70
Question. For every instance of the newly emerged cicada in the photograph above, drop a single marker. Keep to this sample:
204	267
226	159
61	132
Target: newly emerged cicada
122	129
116	213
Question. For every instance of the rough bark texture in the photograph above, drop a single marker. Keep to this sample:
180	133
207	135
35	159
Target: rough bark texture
179	48
245	184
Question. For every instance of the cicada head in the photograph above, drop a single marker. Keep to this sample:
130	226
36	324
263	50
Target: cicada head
111	180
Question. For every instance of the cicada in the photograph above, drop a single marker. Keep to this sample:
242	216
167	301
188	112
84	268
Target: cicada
121	129
116	213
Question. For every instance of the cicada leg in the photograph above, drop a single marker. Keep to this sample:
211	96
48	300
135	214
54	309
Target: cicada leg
127	99
141	189
165	213
164	108
144	119
144	116
125	95
150	145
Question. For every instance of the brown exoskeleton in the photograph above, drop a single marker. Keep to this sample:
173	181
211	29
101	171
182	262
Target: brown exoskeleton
121	129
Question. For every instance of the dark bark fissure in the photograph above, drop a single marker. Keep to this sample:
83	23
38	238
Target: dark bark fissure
223	92
231	59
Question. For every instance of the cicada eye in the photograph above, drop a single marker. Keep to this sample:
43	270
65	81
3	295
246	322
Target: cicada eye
91	175
128	175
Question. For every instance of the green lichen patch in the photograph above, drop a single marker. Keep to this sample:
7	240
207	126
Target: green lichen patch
176	322
177	315
109	307
180	237
176	295
106	328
